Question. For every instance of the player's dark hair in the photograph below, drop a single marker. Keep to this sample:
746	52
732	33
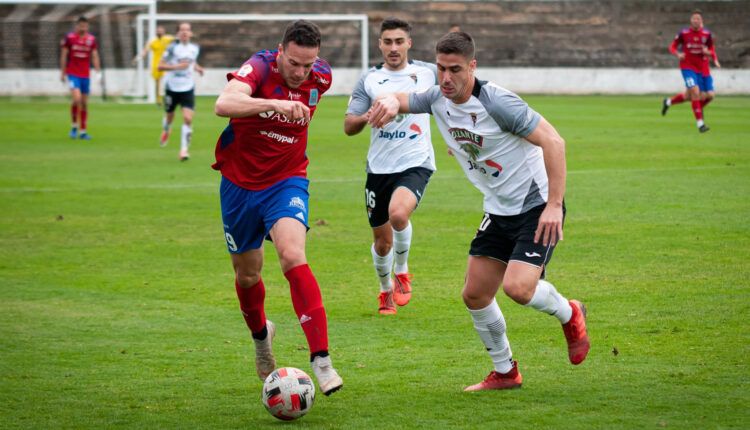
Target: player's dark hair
393	23
82	19
697	11
458	42
302	33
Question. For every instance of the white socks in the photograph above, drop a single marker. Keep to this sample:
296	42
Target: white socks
490	324
383	268
401	244
700	123
546	299
187	132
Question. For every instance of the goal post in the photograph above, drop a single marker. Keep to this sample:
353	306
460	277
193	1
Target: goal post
150	21
32	29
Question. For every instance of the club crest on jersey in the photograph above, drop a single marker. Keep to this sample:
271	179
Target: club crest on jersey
313	97
245	70
463	135
469	142
473	118
297	202
413	77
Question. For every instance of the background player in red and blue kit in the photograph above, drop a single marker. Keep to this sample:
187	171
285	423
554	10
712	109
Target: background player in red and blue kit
78	52
697	45
270	101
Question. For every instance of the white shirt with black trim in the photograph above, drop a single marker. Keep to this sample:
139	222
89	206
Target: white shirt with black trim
404	142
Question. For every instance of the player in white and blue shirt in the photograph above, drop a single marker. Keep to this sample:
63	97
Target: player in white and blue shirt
400	160
517	160
180	61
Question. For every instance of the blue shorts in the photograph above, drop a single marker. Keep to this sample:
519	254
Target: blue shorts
704	83
74	82
248	216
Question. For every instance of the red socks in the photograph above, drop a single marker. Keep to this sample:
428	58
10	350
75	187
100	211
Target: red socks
308	304
251	305
697	109
84	114
705	102
74	114
679	98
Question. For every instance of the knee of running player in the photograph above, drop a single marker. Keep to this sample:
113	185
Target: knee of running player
520	289
290	257
247	278
476	298
694	93
399	217
383	244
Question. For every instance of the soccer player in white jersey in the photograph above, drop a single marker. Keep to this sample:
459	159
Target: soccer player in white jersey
180	61
400	160
517	160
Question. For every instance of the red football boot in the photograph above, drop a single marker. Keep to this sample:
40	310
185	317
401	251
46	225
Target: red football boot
499	381
575	333
402	288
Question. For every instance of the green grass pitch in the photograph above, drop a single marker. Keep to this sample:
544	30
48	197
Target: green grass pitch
117	305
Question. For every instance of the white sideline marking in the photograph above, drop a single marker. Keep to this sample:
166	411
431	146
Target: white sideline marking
215	185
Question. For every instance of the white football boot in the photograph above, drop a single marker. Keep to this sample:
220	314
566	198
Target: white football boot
265	363
329	380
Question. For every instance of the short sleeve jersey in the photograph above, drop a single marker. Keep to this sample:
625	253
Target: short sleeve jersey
405	142
176	53
486	135
80	49
258	151
692	43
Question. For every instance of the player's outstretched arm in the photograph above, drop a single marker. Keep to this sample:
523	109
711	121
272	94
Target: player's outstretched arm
386	108
235	101
141	54
545	136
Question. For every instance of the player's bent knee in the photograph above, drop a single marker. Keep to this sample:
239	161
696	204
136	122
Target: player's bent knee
247	280
517	290
291	258
383	247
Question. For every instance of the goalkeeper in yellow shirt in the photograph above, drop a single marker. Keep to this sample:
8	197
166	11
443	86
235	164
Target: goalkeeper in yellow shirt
156	45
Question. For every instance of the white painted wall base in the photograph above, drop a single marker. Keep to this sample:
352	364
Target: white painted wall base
19	82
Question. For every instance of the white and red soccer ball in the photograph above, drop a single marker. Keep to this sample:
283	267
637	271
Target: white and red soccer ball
288	393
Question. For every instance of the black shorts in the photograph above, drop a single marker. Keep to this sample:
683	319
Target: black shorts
380	187
506	238
185	99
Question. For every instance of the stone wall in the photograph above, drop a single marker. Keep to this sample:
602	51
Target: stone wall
602	34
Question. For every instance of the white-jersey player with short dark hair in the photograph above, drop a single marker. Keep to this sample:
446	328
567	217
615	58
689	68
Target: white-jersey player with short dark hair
517	160
180	61
400	160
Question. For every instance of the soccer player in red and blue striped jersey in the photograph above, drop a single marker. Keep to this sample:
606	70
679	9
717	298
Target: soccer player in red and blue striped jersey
694	46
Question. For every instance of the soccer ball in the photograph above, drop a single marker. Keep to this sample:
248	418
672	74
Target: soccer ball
288	393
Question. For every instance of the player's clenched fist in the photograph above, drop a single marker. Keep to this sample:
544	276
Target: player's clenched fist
383	110
293	110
